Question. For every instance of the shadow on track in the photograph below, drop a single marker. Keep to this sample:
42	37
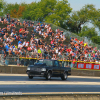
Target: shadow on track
25	78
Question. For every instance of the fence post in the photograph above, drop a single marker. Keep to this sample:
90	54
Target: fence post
11	70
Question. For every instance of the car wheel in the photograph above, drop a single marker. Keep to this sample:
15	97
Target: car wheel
64	77
48	77
30	77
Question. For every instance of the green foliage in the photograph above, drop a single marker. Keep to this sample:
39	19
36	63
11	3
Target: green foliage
38	11
88	32
96	19
96	39
51	11
2	4
29	11
10	7
79	18
47	6
60	13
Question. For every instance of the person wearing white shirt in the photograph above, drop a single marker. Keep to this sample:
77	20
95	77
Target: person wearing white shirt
20	45
24	43
53	58
27	44
57	50
46	26
35	50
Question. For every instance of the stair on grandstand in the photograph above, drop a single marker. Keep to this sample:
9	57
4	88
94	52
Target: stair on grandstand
2	61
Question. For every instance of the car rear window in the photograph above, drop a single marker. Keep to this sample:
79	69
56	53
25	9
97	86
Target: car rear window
47	62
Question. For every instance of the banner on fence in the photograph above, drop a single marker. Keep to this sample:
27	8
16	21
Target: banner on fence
88	66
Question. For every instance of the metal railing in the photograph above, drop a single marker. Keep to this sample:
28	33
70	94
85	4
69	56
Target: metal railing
11	60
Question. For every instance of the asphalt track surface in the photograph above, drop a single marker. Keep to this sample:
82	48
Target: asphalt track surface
21	83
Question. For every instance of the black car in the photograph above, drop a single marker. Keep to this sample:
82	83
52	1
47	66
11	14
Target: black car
48	68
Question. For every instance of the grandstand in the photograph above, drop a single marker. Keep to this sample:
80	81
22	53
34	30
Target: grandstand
24	38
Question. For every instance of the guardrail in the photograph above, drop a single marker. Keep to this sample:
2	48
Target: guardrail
53	96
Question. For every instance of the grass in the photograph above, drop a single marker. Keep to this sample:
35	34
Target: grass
86	69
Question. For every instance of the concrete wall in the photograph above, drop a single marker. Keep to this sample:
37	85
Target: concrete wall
22	70
13	69
53	97
78	72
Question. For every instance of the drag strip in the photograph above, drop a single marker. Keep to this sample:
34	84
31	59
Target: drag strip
21	83
49	88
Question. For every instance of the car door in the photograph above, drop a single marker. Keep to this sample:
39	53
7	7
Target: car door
56	68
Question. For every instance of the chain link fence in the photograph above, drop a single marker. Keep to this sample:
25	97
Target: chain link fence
24	61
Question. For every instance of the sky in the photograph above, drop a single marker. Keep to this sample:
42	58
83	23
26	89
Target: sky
75	4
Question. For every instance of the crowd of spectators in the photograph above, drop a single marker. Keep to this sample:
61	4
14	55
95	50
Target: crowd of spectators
40	48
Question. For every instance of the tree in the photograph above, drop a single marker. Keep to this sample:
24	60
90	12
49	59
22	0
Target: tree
15	10
88	32
2	5
17	13
60	13
20	11
29	11
13	13
96	20
38	11
79	18
96	39
47	6
9	7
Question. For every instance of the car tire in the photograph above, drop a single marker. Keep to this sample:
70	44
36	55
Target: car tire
48	76
64	76
30	77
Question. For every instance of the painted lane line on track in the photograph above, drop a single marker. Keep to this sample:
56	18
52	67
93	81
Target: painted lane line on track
13	74
58	93
46	83
55	93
